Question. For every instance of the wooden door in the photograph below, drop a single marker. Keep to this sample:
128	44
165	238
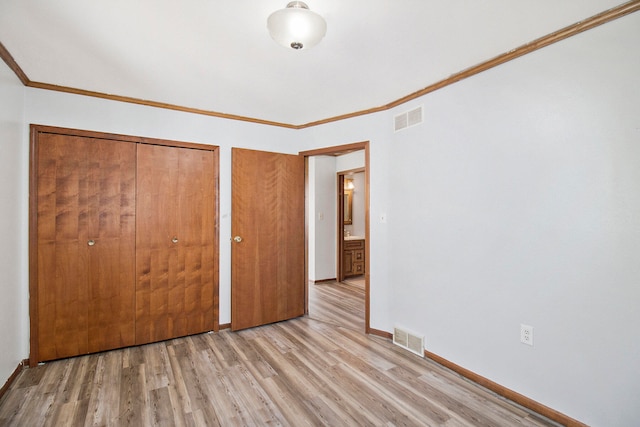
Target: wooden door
85	190
175	242
267	258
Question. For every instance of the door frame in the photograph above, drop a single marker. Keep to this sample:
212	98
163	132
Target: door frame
341	177
340	228
337	151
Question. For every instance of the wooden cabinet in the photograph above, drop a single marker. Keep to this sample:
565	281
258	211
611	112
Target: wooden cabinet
353	257
123	241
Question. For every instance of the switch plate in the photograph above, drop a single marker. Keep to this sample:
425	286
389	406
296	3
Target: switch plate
526	334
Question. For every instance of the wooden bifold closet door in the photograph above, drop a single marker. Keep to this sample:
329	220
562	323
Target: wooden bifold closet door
86	245
123	243
175	228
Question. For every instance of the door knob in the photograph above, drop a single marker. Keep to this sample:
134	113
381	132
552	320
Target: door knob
174	240
91	242
237	239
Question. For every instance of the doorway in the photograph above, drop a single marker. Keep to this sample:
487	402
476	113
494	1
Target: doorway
311	217
351	261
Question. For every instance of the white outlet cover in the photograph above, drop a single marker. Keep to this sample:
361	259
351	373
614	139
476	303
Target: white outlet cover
526	334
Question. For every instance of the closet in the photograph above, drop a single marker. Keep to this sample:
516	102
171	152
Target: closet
123	241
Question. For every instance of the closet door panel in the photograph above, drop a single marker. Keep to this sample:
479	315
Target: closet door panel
85	291
175	242
62	267
112	258
196	217
156	259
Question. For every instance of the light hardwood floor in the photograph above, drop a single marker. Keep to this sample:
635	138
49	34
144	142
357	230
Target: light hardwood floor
315	370
341	304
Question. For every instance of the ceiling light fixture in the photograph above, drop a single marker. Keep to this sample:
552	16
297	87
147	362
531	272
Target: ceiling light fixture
296	27
348	184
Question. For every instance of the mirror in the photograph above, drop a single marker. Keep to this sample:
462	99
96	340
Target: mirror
348	201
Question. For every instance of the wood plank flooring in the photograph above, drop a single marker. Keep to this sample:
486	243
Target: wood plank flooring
316	370
341	304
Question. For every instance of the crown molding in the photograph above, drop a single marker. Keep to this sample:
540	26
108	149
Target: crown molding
156	104
562	34
13	65
544	41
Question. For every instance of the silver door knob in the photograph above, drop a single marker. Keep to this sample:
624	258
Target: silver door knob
237	239
91	242
174	240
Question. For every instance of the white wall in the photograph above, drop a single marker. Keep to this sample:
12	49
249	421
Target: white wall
350	161
323	216
520	203
14	330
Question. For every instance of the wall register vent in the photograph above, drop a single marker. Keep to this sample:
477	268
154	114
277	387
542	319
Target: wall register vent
409	341
407	119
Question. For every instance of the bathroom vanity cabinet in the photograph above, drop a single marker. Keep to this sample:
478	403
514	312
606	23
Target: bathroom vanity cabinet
353	257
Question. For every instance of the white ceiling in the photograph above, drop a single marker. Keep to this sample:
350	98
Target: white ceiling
217	55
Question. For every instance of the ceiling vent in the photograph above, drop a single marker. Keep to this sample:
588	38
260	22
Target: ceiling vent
409	341
407	119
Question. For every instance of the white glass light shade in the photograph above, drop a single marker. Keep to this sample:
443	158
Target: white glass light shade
296	27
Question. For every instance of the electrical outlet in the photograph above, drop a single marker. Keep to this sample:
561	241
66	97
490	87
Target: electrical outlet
526	334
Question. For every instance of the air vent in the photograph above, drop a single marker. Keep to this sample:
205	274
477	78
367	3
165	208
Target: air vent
409	341
407	119
400	122
414	117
